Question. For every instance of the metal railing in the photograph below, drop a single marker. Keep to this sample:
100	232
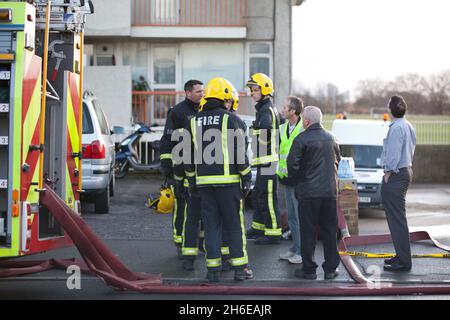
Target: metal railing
150	107
432	131
189	13
427	131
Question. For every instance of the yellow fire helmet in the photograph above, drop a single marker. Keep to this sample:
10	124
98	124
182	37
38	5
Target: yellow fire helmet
235	100
263	81
219	88
202	104
162	202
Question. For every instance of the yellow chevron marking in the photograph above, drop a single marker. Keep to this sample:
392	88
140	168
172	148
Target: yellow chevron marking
31	119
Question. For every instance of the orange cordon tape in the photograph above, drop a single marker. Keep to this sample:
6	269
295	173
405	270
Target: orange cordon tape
103	263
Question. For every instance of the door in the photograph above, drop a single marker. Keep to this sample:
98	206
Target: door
165	74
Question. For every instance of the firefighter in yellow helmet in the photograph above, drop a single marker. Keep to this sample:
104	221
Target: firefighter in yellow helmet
266	226
222	177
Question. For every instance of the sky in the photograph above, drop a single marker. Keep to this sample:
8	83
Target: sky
343	41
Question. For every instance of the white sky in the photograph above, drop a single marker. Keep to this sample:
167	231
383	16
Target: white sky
342	41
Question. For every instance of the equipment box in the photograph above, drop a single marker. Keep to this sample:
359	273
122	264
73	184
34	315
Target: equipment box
348	203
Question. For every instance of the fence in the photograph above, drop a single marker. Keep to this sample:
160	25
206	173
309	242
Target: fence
190	13
432	132
150	107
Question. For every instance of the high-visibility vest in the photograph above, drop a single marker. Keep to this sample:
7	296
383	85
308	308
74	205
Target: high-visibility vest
285	146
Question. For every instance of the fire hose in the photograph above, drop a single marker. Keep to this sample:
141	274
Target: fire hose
100	261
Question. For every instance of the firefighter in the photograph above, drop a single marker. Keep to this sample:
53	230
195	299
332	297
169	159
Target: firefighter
266	227
219	171
178	118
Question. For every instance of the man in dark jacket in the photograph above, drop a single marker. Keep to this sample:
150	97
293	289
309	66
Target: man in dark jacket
313	162
178	118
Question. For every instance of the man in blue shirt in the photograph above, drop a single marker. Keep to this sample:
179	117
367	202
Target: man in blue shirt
396	159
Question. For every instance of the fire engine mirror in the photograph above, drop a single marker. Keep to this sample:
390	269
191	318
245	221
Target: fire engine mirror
5	15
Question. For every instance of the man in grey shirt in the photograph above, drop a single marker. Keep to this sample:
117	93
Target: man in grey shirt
396	159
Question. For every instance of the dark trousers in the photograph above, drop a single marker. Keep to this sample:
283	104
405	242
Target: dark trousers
322	213
191	227
393	196
222	209
178	212
266	216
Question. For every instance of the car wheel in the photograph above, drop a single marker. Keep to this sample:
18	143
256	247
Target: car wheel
112	185
101	201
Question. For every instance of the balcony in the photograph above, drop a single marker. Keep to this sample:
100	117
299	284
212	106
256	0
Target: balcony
150	107
189	13
189	18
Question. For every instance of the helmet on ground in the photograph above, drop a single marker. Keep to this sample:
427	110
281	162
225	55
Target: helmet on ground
219	88
263	81
162	202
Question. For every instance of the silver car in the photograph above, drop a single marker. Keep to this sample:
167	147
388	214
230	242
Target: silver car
98	155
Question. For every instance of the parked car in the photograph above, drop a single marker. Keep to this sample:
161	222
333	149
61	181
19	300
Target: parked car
98	179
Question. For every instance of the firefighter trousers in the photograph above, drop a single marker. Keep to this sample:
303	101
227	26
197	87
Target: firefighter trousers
266	216
179	211
222	209
191	227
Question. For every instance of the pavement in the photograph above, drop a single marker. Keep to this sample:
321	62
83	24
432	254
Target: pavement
143	240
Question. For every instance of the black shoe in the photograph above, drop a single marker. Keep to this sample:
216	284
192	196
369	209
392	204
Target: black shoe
266	240
243	274
299	273
396	267
188	264
253	233
213	276
391	260
331	275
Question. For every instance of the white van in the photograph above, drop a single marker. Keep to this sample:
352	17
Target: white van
363	141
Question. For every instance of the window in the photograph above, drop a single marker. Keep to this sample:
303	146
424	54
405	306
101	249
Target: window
87	121
105	60
164	65
104	55
104	126
259	58
364	156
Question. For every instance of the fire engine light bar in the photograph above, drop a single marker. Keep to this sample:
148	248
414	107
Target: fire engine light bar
5	15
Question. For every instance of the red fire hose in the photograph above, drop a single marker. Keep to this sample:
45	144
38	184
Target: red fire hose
100	261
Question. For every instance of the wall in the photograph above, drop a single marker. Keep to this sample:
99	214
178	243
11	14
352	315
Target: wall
431	164
282	51
260	24
112	87
109	19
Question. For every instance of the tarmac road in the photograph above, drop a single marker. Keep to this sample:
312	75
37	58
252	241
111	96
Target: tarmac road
142	240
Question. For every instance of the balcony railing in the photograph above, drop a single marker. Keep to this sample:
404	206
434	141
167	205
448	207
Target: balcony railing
150	107
189	13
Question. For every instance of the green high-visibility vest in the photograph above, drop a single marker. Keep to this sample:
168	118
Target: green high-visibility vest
285	146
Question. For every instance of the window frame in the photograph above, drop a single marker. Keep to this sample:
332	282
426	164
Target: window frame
249	55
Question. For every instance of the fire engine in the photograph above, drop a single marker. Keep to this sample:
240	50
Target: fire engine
41	75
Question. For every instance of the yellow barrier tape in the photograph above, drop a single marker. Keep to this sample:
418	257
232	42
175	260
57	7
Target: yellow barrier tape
391	255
